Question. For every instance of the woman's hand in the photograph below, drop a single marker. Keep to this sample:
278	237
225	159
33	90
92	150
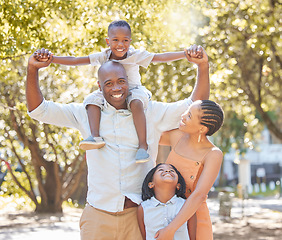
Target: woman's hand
164	234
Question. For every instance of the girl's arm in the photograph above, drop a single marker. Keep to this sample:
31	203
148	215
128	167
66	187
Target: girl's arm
211	168
168	57
140	218
72	61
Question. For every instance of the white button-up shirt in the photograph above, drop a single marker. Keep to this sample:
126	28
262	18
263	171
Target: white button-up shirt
158	215
112	170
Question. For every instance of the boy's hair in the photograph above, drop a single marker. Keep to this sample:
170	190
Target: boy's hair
147	192
119	23
212	116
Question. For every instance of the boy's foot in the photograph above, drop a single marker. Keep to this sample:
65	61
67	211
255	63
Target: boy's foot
142	156
92	143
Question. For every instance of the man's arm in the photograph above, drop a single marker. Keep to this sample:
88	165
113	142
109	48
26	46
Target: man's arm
34	96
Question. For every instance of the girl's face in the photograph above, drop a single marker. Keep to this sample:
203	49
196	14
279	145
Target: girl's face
164	174
190	120
119	40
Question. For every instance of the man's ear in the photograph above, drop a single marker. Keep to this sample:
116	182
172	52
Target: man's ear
151	184
108	42
99	85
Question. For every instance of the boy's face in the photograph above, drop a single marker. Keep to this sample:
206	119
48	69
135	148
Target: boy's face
119	40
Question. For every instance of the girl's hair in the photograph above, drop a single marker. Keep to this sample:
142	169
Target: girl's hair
119	23
147	192
212	116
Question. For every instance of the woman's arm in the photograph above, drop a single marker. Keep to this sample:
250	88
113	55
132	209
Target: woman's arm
211	168
140	218
192	227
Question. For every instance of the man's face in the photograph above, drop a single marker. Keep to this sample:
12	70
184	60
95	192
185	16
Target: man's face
114	85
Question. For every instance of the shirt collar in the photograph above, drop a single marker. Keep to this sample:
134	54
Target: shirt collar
156	202
108	52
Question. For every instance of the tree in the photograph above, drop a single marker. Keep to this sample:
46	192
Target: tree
50	161
244	41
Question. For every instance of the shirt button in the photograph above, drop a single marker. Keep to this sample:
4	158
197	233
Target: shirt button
192	177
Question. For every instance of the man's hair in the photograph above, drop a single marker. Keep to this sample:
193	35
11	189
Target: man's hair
212	116
119	23
147	192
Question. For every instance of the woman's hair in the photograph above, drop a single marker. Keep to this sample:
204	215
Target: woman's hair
212	116
119	23
147	192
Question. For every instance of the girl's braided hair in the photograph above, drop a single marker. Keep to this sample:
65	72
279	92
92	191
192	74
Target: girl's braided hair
212	116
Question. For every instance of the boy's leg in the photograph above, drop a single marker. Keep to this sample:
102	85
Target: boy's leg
94	117
94	141
139	121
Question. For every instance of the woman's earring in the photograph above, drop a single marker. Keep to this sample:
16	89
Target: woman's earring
199	138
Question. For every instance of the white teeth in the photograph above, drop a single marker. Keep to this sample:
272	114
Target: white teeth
117	96
119	50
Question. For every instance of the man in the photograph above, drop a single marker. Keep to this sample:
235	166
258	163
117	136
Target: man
114	179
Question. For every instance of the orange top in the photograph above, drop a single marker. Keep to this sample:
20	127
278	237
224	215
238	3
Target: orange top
191	171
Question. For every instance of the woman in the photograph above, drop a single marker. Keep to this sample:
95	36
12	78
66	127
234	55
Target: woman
198	161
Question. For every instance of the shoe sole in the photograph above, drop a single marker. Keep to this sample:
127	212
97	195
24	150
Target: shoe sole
91	145
142	160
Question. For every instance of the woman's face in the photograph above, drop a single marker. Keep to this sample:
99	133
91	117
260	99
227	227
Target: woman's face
190	120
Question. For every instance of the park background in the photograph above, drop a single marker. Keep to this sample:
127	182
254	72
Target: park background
43	169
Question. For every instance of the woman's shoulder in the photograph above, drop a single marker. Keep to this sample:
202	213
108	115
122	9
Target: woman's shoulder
214	153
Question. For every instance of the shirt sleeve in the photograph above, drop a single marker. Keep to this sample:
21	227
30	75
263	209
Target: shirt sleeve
168	115
71	115
97	59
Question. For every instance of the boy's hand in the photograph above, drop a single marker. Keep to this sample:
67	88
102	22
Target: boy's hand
196	54
34	63
42	55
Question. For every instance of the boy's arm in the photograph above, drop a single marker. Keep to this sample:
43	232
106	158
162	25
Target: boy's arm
173	56
169	56
72	61
140	218
43	55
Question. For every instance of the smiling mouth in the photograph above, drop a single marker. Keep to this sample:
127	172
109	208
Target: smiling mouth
120	50
117	96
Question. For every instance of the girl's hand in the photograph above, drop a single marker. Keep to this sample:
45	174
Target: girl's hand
164	234
196	54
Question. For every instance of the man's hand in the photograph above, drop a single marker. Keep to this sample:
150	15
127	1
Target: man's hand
40	58
196	54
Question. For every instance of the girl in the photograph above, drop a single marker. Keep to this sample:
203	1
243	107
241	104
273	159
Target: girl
198	160
163	193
